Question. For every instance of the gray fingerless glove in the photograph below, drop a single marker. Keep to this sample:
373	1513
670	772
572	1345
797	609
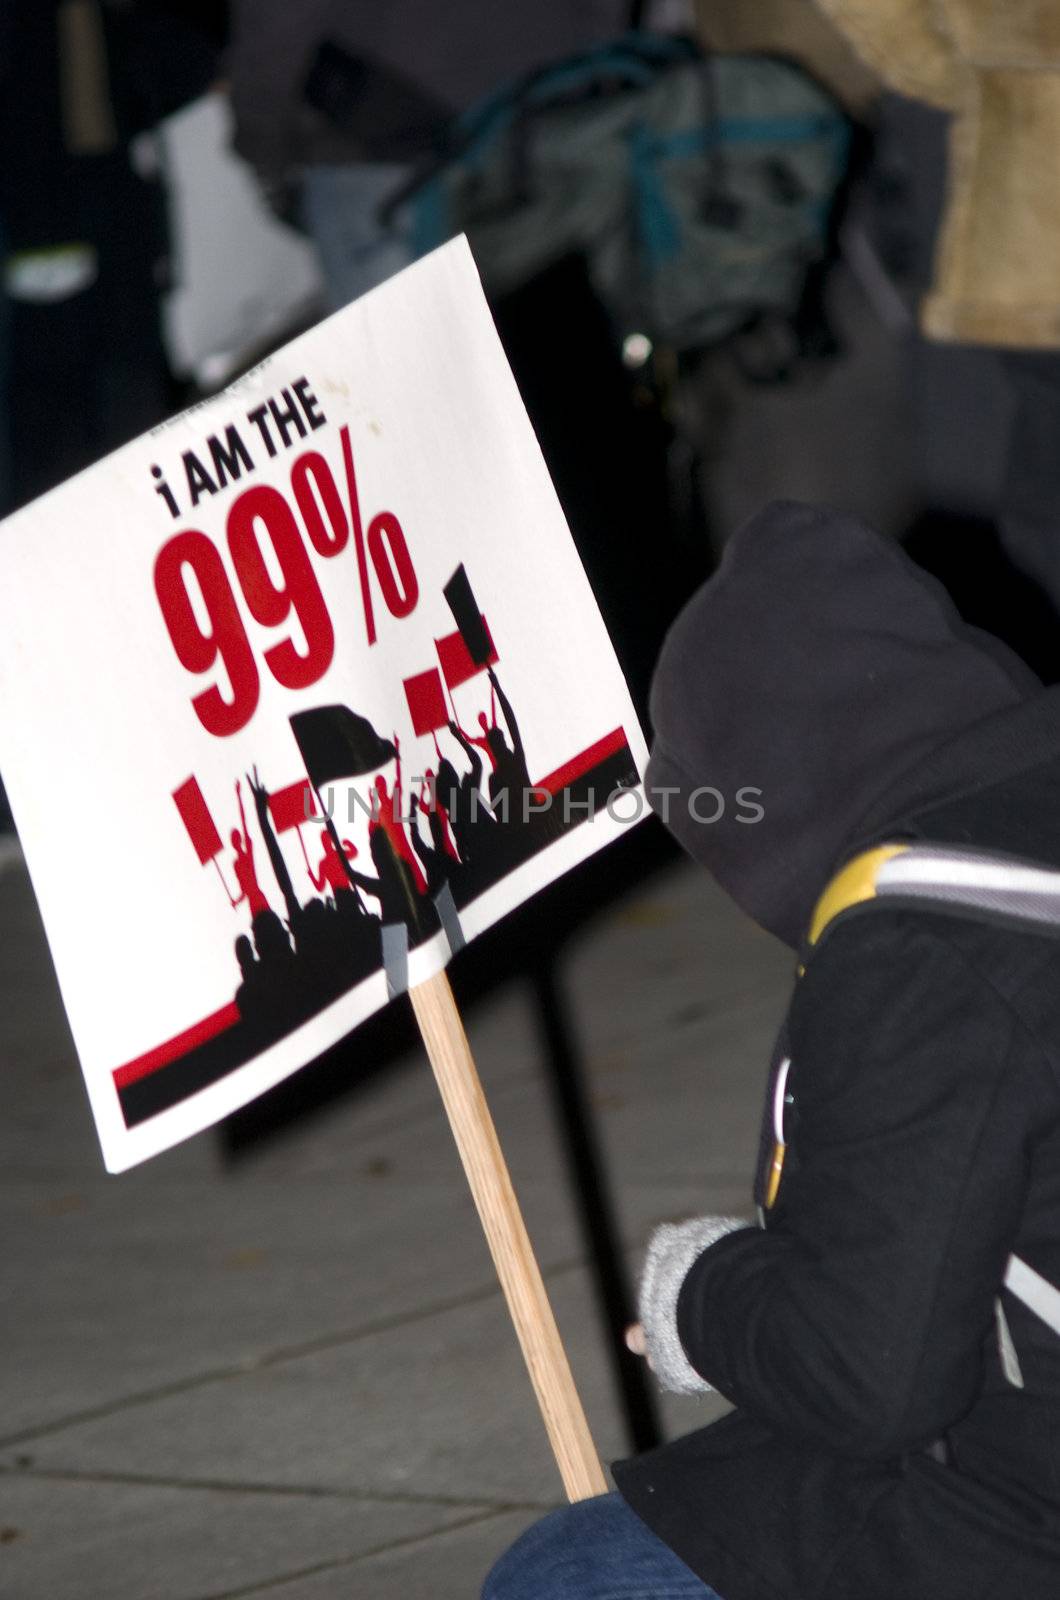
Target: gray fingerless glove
672	1249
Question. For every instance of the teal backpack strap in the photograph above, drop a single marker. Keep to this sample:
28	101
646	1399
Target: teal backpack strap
985	885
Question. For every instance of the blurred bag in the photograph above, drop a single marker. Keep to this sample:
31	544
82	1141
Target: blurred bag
698	189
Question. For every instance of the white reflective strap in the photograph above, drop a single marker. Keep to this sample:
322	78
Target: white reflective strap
1010	1361
950	869
1036	1292
778	1099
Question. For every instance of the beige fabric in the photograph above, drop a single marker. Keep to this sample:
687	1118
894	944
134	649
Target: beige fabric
903	42
88	119
996	64
793	28
1021	33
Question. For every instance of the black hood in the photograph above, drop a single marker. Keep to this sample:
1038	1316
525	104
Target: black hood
822	668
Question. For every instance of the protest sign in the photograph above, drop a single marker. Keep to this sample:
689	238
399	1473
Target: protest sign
298	694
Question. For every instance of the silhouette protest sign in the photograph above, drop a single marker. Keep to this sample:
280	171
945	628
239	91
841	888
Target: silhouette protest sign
298	694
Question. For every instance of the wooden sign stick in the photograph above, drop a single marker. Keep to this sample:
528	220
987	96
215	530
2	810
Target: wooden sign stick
513	1256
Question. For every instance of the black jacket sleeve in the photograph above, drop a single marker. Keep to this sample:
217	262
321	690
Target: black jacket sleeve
857	1319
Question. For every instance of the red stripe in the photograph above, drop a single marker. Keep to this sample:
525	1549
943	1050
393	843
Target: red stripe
578	766
163	1054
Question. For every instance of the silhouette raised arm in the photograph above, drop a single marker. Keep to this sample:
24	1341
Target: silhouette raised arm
509	718
469	749
248	843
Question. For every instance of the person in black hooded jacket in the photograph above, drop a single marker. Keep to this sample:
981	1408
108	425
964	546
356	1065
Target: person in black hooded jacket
896	1424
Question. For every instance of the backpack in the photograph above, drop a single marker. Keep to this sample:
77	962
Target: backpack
699	189
984	885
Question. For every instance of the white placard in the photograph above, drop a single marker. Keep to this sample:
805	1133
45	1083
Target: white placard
283	603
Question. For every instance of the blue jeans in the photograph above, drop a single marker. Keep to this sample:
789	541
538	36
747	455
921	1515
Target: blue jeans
595	1550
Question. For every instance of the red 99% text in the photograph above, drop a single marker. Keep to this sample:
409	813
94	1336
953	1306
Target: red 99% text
264	530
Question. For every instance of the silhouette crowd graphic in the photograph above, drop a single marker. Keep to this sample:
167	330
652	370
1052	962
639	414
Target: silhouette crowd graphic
436	842
450	834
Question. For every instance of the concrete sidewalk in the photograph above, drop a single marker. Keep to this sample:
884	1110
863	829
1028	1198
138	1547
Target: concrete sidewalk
297	1379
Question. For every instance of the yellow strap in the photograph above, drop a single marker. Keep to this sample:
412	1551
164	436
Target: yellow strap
776	1172
851	885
